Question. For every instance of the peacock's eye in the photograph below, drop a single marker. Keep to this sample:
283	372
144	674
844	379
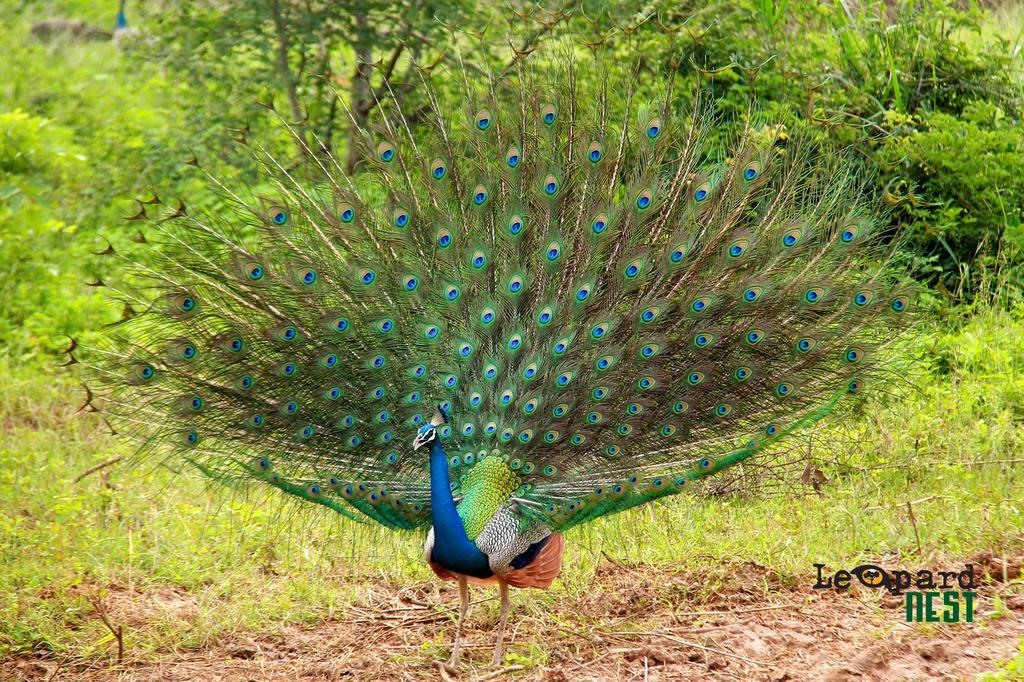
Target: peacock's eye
644	199
512	157
753	294
386	152
516	224
548	114
438	169
738	248
254	271
653	128
813	295
479	195
550	185
702	192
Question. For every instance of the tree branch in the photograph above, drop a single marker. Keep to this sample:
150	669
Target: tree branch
285	71
361	90
395	54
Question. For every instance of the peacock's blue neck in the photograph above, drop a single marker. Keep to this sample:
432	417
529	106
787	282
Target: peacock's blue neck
453	549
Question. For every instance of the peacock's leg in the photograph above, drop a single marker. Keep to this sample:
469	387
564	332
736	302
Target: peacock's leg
463	609
502	623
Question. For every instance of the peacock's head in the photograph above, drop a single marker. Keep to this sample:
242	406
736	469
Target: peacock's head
425	436
428	432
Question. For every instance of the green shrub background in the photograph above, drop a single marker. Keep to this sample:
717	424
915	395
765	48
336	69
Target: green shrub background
928	96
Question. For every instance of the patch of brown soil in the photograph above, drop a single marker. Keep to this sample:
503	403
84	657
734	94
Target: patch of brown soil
629	623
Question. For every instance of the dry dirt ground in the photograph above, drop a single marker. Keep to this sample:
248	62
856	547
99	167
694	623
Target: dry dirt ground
635	623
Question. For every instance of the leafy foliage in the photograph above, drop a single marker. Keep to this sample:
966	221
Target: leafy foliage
899	83
971	168
35	157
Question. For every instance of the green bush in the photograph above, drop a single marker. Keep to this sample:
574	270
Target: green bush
964	189
84	129
928	98
36	156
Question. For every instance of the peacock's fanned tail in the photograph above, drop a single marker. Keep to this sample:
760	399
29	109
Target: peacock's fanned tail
593	296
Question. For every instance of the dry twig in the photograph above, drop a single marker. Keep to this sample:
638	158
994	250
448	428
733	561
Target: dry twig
117	632
94	469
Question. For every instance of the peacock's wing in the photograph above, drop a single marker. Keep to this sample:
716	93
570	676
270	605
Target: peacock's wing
592	294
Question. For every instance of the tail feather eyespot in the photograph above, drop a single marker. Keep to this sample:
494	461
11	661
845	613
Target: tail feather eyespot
550	185
346	213
143	373
751	171
701	192
483	121
277	216
400	218
548	114
516	224
513	157
479	195
386	152
653	128
644	199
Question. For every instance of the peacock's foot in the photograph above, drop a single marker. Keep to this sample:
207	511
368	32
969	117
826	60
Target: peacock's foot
498	656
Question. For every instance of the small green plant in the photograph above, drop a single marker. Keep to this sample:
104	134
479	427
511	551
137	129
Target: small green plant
1011	670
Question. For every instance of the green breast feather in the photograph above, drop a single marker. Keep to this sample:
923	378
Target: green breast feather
485	488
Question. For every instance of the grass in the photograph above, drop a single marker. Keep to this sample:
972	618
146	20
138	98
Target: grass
247	562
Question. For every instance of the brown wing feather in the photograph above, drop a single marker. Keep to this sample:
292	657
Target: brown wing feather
543	570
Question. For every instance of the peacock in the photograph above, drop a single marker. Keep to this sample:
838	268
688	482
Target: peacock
558	302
